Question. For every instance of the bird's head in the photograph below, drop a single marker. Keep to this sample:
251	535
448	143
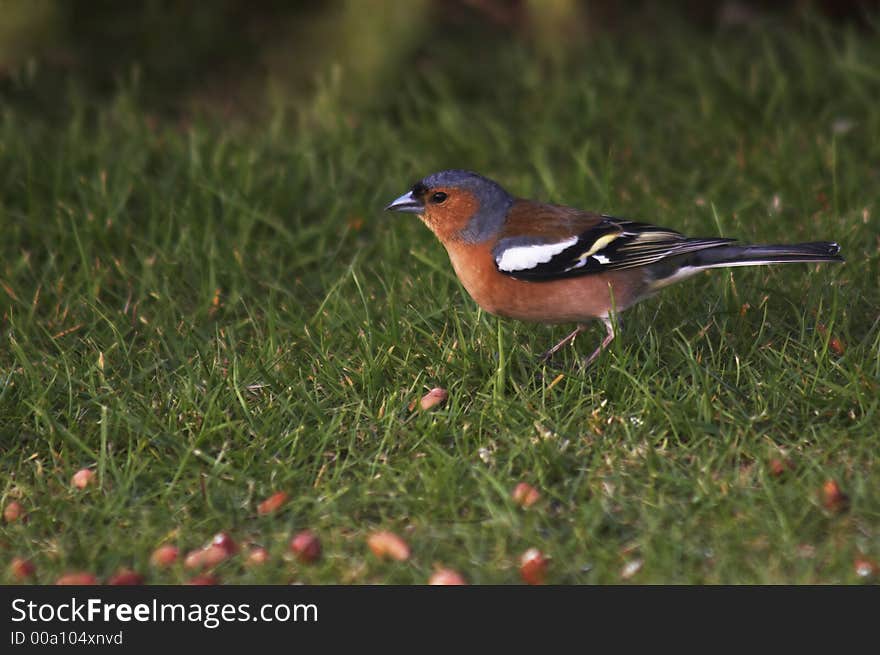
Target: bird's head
457	205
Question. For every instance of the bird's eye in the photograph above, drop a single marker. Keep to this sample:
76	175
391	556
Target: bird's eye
438	197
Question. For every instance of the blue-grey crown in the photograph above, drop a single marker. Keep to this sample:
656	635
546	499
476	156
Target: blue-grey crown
460	178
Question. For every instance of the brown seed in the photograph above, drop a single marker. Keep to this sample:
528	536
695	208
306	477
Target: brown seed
164	556
306	546
386	544
257	556
525	495
224	541
631	568
194	559
13	512
865	568
778	466
433	398
272	504
125	578
82	478
77	578
837	346
214	555
446	577
533	566
206	558
205	579
833	499
21	569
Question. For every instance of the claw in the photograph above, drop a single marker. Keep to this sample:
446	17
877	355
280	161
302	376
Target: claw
609	326
555	349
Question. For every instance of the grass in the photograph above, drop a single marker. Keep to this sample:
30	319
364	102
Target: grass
207	313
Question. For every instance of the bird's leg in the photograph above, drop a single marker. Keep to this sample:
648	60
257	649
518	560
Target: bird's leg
609	326
547	355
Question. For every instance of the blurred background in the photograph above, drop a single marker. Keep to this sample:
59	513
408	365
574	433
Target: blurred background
238	58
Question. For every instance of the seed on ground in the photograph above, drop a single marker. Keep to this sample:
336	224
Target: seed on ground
21	568
272	504
388	545
779	466
525	495
533	566
164	556
446	577
864	567
257	556
13	512
224	541
306	546
434	397
82	478
631	568
77	578
833	499
125	578
203	580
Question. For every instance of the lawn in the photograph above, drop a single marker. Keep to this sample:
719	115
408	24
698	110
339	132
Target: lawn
207	309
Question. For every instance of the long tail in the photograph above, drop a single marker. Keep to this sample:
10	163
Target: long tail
722	256
726	255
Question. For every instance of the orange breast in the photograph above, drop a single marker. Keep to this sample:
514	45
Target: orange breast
576	299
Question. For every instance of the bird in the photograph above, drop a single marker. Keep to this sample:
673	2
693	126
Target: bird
553	264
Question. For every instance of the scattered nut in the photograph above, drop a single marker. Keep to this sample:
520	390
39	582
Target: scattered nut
833	499
194	559
213	555
21	569
77	578
306	546
631	568
836	345
272	504
125	578
434	397
446	577
533	566
13	512
221	548
257	556
525	495
206	558
224	541
779	466
82	478
164	556
386	544
203	580
865	568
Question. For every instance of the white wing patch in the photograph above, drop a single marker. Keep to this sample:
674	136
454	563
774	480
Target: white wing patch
522	258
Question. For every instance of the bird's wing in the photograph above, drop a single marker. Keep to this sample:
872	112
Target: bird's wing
548	242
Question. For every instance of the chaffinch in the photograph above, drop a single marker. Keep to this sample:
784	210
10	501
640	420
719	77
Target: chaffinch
553	264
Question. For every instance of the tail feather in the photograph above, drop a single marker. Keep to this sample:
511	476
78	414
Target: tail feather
724	256
758	255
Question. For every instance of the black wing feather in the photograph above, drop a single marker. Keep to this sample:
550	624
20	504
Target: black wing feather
621	244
